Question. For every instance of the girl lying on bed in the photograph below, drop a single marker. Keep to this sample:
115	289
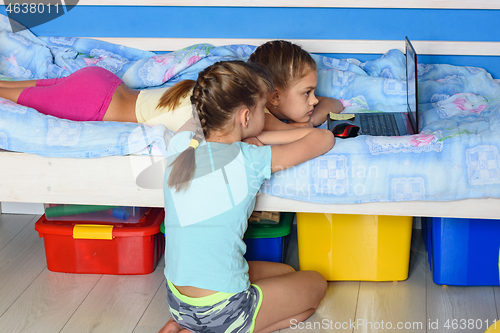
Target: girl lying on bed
95	94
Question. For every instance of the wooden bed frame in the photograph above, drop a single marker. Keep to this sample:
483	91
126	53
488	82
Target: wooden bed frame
112	180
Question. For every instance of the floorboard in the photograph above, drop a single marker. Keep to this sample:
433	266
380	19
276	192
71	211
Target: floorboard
21	261
33	299
11	226
48	303
115	304
156	315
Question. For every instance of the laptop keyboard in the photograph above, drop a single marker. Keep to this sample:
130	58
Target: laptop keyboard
378	124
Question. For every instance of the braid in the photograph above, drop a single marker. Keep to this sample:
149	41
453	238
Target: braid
198	98
200	132
217	93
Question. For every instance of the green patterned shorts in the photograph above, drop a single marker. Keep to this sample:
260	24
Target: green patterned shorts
216	313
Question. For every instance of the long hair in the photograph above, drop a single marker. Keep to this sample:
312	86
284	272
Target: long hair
218	92
172	97
286	62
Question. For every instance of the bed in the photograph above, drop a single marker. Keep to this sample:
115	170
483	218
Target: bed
115	180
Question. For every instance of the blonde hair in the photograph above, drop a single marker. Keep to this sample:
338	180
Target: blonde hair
217	93
286	62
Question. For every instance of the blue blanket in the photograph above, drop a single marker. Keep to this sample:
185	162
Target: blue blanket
455	156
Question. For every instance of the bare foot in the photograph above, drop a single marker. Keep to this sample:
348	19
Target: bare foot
172	327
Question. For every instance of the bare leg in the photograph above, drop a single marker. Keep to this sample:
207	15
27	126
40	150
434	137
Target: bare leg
17	84
172	327
258	270
288	298
12	94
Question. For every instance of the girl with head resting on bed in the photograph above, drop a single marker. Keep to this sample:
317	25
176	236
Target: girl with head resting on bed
294	74
210	188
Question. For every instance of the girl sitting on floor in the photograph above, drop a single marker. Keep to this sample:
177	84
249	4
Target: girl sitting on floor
210	190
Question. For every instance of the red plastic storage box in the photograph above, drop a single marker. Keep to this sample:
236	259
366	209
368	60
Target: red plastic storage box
92	247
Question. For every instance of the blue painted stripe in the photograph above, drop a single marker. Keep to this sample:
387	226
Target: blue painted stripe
286	23
296	23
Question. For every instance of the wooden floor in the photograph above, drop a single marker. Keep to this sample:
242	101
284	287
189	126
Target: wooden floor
33	299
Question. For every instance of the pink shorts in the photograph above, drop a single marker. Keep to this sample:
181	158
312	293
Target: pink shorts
82	96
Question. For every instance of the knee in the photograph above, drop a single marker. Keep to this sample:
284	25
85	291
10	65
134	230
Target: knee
288	269
319	284
323	284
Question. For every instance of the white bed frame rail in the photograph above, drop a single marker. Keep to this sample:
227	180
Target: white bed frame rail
112	181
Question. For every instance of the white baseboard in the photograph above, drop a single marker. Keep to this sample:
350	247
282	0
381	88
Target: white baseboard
21	208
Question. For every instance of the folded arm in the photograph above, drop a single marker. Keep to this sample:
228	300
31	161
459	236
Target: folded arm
295	146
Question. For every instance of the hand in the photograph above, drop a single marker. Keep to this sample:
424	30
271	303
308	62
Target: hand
323	109
338	107
254	141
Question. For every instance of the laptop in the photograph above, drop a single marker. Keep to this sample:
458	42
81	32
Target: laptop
387	123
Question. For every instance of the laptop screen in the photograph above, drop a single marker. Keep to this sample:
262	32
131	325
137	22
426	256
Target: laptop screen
412	85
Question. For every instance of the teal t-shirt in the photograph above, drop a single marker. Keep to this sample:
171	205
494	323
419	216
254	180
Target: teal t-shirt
205	224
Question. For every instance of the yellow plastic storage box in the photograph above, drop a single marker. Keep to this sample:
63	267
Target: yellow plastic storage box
355	247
